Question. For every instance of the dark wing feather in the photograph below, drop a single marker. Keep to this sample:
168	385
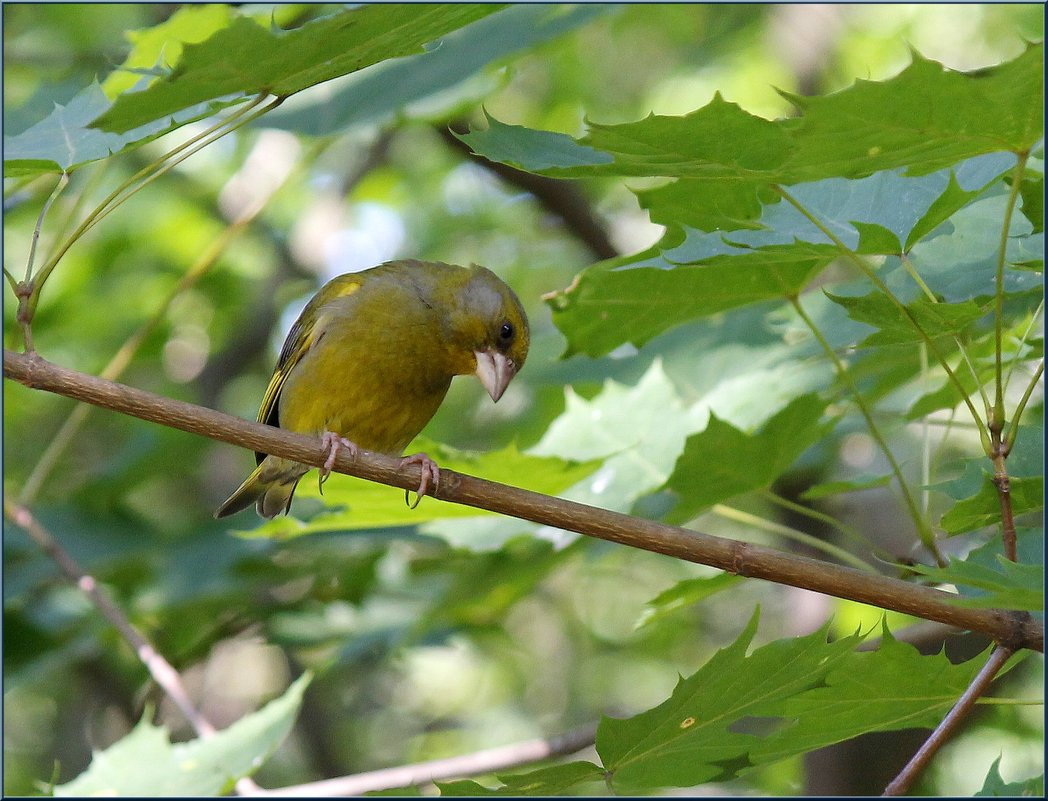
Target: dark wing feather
299	340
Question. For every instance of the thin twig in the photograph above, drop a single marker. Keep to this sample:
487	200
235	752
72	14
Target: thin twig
949	725
997	421
1015	629
159	668
559	196
480	762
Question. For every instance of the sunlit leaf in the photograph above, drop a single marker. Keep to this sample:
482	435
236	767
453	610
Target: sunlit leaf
996	787
388	89
146	763
353	504
246	58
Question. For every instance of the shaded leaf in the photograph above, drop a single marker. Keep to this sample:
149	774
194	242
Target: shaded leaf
952	200
683	594
893	688
961	263
63	141
984	508
1032	193
527	149
896	327
604	308
690	738
704	204
722	461
831	488
1010	586
874	238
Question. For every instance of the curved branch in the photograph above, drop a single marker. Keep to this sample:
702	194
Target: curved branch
1012	629
557	195
166	677
487	761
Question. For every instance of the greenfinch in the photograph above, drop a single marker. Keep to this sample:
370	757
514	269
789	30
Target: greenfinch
371	358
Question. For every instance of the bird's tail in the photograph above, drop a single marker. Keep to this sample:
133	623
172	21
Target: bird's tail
271	486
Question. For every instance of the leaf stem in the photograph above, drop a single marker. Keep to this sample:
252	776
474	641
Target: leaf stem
996	422
848	531
122	358
63	181
876	280
1022	342
908	264
916	276
926	445
144	176
923	531
757	522
24	290
1013	428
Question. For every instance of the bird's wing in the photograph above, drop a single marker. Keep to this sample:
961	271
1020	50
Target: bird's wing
304	334
298	342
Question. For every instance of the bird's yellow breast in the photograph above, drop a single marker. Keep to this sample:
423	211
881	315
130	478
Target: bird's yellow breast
375	372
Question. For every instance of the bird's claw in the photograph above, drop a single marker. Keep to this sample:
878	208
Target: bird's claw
331	440
430	473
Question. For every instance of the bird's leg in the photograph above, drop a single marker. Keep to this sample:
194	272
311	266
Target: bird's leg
333	441
430	472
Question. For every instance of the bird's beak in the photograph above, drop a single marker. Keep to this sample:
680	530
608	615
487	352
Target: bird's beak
495	370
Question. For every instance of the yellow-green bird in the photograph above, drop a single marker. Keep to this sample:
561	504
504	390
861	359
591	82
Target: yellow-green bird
371	358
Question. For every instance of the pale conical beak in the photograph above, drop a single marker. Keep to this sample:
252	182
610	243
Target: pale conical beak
495	370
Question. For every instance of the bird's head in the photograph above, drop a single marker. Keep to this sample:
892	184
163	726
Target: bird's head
490	326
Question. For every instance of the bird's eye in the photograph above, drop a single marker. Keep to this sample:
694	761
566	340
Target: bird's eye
506	332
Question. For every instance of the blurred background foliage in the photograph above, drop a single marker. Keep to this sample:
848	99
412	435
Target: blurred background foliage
422	649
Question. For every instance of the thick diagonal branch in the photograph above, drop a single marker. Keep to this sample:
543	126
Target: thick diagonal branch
1012	629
